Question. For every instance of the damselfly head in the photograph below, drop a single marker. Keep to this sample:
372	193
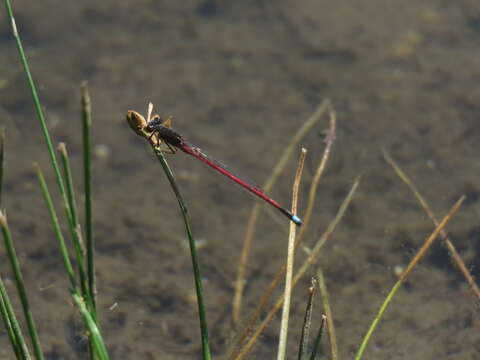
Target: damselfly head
137	122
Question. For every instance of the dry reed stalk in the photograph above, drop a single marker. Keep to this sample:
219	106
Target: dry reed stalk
247	242
329	140
282	343
451	248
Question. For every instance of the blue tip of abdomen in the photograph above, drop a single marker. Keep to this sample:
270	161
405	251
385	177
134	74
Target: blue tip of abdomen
296	220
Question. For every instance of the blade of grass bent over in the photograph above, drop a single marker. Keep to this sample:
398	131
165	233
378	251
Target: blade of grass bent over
282	343
22	292
419	255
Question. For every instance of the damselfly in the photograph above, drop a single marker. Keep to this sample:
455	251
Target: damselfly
158	130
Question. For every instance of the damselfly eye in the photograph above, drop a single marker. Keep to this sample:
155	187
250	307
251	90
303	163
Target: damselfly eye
156	120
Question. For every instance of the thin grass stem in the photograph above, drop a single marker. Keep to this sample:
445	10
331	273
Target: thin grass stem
11	324
138	124
2	161
66	258
87	180
14	331
330	138
77	239
193	252
6	318
418	256
22	292
307	321
70	210
56	228
328	314
41	117
318	338
282	343
67	175
99	348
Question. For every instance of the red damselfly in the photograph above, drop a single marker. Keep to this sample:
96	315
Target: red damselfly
158	130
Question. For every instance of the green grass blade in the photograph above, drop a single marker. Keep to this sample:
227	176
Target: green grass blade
6	310
77	239
2	161
38	109
14	332
69	187
63	247
77	242
87	179
77	234
318	338
193	251
6	318
12	256
57	230
99	348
